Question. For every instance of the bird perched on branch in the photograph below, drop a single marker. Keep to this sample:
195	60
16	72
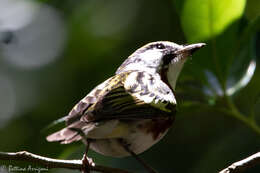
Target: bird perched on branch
131	111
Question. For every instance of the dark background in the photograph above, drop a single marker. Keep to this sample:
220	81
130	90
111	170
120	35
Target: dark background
52	53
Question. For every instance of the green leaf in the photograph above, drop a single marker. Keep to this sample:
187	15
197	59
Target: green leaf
205	19
252	9
242	64
230	52
242	70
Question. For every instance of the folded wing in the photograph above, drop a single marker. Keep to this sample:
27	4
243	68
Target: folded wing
127	96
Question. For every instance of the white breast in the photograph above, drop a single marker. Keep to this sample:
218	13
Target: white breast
139	140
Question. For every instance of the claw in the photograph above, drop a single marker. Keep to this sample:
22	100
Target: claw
87	163
90	161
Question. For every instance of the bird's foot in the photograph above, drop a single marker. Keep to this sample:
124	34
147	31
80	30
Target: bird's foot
87	163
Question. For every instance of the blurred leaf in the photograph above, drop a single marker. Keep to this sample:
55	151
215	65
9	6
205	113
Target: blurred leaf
178	5
210	66
242	63
97	29
242	70
232	59
215	87
252	9
252	28
204	19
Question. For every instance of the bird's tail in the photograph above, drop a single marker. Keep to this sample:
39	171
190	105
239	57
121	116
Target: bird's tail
66	135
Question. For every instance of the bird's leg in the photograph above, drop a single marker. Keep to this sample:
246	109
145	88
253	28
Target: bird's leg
86	162
145	165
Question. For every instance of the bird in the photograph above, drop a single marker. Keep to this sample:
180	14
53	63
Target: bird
132	110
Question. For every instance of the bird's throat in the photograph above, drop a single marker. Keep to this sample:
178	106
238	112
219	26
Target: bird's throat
170	74
164	77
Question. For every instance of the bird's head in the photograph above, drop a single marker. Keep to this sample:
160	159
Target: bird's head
162	58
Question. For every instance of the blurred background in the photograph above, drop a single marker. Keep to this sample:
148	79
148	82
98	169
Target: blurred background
53	52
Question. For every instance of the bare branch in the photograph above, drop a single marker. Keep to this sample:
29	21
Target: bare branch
55	163
244	164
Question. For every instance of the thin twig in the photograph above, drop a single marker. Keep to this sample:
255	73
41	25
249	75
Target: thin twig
146	166
55	163
244	164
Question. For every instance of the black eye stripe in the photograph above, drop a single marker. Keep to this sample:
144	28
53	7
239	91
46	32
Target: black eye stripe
168	58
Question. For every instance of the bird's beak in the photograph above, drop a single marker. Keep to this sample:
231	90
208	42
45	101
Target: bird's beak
191	48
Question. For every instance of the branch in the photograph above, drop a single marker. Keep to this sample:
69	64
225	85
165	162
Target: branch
242	165
55	163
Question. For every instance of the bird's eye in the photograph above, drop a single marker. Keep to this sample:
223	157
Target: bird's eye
160	46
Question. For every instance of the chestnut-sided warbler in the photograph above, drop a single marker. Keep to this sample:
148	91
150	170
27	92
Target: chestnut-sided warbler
132	110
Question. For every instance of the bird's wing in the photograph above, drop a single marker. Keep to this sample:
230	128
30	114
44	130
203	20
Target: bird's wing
125	96
132	95
82	106
67	134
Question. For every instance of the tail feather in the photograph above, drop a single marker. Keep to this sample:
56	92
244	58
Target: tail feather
73	139
62	136
66	135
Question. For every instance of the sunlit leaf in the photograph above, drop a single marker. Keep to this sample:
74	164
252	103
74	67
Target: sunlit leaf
204	19
230	58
